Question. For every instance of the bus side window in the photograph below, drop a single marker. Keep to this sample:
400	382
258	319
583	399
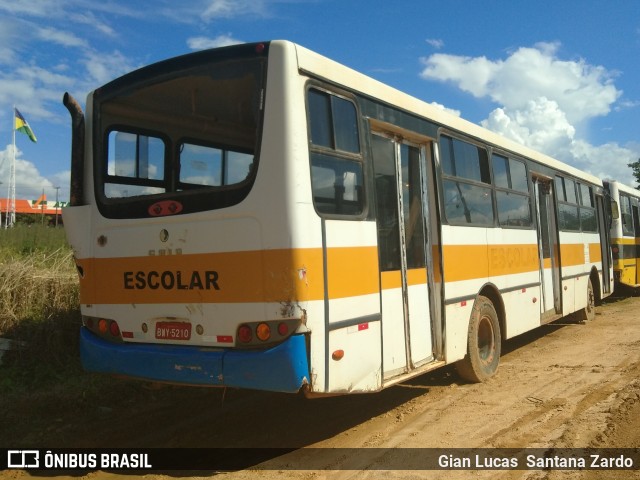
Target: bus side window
467	182
336	164
337	185
588	221
512	191
625	215
636	219
568	213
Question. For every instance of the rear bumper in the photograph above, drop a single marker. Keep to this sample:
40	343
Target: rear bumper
283	368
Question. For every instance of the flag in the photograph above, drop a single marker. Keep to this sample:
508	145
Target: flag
23	126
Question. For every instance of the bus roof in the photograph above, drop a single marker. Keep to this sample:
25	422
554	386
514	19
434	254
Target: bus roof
625	188
318	65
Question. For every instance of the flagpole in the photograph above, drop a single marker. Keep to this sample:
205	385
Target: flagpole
11	206
6	213
11	169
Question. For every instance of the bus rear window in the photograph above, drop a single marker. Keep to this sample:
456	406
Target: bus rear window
135	165
194	128
211	166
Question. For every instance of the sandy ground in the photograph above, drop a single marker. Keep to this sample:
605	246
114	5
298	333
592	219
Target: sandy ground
566	385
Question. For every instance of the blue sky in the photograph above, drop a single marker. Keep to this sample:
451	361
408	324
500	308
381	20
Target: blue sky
559	76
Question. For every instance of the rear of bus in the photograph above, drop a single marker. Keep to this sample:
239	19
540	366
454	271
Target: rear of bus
183	199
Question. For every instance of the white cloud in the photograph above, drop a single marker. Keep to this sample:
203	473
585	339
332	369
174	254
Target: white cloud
449	110
435	43
61	37
626	104
29	182
31	88
202	43
544	102
62	180
606	161
103	68
232	8
88	18
40	8
540	124
472	75
581	90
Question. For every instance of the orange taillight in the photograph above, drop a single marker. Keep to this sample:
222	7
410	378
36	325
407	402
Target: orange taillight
263	332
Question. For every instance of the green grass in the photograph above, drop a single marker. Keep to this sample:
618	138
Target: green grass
26	239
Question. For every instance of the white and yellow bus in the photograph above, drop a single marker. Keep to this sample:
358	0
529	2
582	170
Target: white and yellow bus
625	233
259	216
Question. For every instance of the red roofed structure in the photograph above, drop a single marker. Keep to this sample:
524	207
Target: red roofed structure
35	207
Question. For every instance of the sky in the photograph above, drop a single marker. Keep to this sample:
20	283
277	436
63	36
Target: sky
562	77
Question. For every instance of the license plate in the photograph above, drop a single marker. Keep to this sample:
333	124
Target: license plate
173	331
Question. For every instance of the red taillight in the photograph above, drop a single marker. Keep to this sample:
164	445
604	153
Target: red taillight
283	329
244	334
114	329
103	326
260	48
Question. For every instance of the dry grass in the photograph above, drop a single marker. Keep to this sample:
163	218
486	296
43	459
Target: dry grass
37	285
38	304
43	382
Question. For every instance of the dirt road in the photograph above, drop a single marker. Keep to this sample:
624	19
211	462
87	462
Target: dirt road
566	385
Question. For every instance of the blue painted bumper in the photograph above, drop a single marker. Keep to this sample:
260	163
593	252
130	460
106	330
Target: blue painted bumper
282	368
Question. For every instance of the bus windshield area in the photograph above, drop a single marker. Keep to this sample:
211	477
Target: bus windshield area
192	130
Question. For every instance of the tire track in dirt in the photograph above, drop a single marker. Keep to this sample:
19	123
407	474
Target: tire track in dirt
558	390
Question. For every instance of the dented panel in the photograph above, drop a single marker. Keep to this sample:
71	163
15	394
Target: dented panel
282	368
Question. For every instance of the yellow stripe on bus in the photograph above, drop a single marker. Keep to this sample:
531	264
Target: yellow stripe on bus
625	241
595	252
289	274
392	279
468	262
232	277
352	271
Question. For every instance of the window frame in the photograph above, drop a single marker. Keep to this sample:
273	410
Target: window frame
223	170
590	207
107	179
510	190
445	177
325	152
563	202
106	117
627	232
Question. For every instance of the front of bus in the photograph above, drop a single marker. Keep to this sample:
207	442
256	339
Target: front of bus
177	227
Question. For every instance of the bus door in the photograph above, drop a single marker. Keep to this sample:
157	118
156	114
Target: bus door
605	251
403	250
548	250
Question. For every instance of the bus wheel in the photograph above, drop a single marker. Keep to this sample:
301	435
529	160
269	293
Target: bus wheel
483	343
589	312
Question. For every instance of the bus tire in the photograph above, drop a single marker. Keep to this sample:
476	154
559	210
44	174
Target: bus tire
483	343
589	312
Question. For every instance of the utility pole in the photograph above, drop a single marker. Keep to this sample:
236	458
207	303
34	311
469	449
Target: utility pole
57	188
